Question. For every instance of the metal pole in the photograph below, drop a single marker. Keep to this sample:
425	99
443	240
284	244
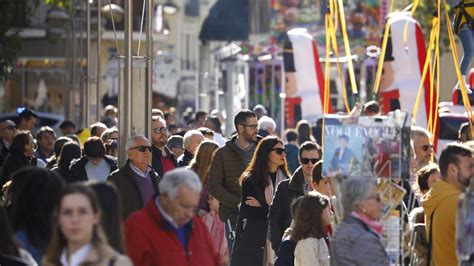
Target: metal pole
149	67
125	96
89	69
99	73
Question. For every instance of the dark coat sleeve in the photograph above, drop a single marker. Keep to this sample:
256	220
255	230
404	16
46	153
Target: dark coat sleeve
250	212
275	215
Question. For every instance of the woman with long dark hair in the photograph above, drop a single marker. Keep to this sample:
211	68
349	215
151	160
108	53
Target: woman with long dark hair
21	155
259	182
308	233
111	219
304	132
34	193
69	152
10	253
78	238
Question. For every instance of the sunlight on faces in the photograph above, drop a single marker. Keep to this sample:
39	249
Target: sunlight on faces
423	156
46	141
275	159
308	168
195	141
249	131
433	178
77	218
181	207
462	172
161	138
372	205
324	187
138	158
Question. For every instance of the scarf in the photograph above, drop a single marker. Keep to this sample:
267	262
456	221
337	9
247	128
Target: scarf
376	226
269	189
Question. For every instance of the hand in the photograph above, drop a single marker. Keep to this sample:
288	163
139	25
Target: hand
251	201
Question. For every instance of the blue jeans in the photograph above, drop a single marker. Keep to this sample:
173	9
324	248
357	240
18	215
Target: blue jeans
467	40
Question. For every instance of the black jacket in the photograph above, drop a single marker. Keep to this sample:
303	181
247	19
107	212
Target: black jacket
185	159
156	159
279	217
128	189
251	228
78	167
14	162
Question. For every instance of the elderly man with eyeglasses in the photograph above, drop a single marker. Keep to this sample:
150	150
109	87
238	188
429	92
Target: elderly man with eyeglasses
423	146
162	160
136	182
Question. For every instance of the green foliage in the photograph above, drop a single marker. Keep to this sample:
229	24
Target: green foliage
13	16
66	4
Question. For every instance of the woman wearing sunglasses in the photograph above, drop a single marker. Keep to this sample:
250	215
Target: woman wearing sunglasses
259	182
357	238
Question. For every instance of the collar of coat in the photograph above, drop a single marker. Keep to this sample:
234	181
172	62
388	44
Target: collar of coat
297	181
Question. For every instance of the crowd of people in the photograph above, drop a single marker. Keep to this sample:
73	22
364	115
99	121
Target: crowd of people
189	196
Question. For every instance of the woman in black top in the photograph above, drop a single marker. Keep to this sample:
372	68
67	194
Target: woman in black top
21	155
259	182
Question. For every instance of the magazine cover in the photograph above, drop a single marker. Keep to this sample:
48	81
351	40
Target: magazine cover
374	146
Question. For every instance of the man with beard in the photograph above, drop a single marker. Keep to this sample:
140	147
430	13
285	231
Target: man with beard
440	202
228	164
163	160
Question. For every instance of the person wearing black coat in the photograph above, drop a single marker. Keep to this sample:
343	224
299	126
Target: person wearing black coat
21	155
301	182
69	152
279	217
94	152
266	169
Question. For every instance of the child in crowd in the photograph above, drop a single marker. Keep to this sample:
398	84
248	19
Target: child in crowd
216	229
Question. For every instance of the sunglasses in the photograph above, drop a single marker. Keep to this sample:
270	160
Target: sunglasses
279	151
426	147
142	148
307	160
160	129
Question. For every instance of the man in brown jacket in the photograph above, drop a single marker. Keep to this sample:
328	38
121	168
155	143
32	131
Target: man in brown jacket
229	163
136	182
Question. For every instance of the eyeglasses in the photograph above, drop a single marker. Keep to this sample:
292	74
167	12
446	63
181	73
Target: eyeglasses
250	126
142	148
376	198
307	160
426	147
160	129
279	151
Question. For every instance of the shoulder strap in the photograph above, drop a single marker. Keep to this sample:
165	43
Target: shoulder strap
430	240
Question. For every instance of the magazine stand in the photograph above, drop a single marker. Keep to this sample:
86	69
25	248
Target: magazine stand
372	147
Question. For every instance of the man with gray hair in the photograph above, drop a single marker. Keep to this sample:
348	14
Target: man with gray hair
191	141
136	182
166	231
423	146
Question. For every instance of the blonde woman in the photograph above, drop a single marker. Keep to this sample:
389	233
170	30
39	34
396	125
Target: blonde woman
200	164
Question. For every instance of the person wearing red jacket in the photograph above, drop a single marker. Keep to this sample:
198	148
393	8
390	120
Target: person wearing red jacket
166	231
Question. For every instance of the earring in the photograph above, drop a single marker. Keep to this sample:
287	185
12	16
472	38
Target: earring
364	210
